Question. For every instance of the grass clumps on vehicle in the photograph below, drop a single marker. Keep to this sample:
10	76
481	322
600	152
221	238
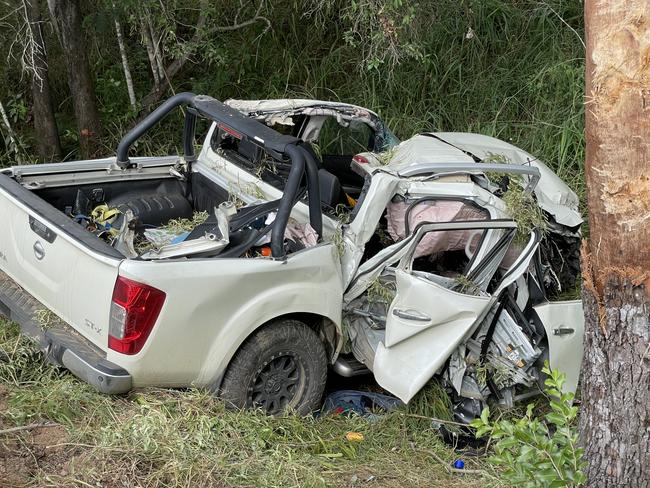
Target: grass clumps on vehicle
386	157
178	226
520	204
173	227
463	284
523	208
160	437
342	217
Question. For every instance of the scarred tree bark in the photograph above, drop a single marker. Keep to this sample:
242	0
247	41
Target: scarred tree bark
67	17
615	417
48	144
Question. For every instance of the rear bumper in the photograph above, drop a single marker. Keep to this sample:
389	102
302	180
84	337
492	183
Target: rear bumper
61	344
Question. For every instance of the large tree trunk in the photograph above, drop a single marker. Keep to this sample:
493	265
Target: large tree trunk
615	418
67	16
48	144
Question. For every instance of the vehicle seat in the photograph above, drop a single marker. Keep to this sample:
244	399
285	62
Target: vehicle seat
331	193
308	147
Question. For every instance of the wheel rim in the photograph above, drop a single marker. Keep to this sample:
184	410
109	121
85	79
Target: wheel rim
277	384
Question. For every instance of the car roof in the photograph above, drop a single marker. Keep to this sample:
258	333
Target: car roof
295	105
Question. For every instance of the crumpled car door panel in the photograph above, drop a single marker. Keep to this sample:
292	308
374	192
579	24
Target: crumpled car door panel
412	354
448	309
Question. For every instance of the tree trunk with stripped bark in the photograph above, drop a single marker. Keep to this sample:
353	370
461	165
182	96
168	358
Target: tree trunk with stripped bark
615	415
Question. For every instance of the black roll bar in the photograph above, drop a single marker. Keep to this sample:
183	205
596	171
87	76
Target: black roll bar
313	186
152	119
286	204
241	127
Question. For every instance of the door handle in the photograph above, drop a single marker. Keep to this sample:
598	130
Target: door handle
563	331
411	315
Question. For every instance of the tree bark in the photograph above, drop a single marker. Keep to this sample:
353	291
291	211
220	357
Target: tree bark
14	145
48	144
66	15
615	417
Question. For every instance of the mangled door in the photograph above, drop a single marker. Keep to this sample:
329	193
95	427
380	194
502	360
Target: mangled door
432	314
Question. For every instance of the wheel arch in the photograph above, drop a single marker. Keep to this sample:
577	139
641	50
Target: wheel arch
328	329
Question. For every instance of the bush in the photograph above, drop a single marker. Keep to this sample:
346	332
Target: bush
534	452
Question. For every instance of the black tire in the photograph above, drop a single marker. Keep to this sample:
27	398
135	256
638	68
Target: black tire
282	366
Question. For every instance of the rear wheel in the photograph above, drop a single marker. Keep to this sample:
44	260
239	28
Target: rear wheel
282	366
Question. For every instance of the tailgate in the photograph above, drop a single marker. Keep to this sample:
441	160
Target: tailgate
57	261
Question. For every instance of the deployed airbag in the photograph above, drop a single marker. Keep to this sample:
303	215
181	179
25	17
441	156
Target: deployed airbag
433	211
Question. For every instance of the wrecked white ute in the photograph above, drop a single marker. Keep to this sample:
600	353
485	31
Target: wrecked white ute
250	268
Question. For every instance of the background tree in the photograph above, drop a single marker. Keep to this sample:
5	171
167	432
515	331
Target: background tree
615	418
508	68
35	63
67	19
208	23
125	59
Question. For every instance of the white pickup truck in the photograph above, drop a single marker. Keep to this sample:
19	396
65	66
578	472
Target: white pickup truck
411	268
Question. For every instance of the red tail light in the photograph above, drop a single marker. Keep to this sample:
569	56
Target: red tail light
134	310
360	159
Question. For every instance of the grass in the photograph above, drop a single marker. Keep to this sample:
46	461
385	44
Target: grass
526	212
160	437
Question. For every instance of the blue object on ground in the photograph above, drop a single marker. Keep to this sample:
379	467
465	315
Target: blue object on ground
459	464
363	403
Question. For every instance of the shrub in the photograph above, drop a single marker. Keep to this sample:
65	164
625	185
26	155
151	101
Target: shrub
535	452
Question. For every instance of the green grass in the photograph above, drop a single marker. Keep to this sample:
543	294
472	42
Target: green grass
160	437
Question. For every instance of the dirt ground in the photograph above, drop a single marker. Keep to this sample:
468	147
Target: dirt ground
24	453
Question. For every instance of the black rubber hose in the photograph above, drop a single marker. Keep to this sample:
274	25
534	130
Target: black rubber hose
313	187
288	199
247	215
147	123
242	247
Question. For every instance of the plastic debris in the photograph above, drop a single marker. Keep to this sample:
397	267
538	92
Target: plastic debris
104	217
161	237
210	236
459	464
125	238
364	403
354	436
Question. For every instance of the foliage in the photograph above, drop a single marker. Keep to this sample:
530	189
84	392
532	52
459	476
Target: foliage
383	31
534	452
506	68
381	290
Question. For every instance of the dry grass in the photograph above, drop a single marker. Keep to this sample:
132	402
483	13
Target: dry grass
158	437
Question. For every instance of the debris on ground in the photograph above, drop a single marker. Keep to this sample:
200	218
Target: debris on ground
363	403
